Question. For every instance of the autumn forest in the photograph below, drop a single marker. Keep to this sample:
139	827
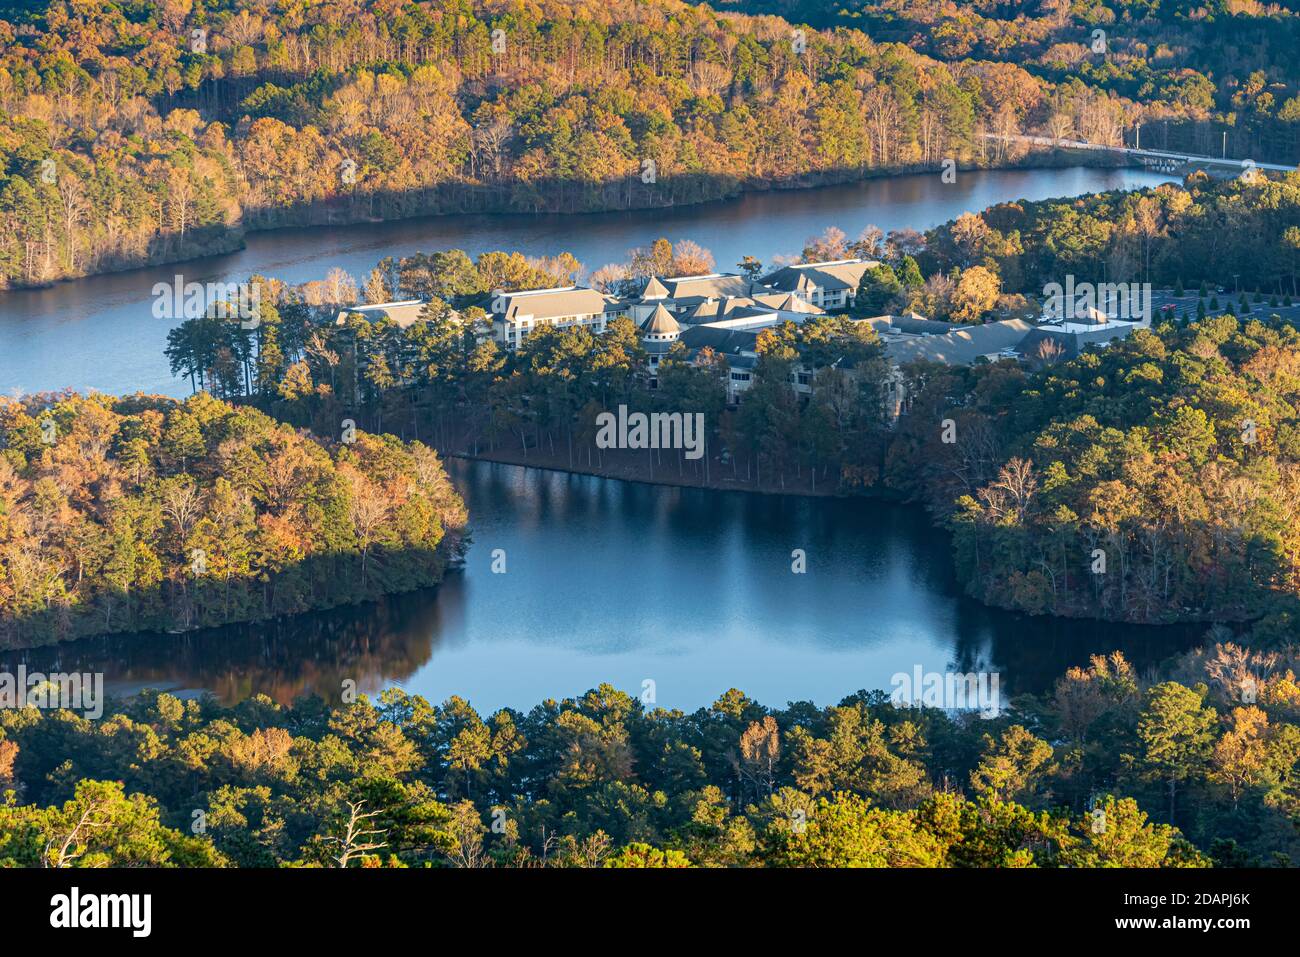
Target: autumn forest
135	133
309	465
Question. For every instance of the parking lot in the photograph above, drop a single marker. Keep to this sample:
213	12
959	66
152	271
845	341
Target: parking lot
1162	299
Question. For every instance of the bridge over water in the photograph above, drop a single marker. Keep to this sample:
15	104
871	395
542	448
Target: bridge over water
1162	160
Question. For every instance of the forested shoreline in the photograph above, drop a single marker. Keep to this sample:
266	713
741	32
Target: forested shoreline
1137	455
145	514
134	133
223	239
1143	472
1136	450
1110	769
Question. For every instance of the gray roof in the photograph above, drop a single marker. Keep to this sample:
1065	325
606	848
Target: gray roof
827	276
781	305
660	322
552	303
787	302
1073	341
715	286
712	309
405	313
653	289
729	342
961	346
911	323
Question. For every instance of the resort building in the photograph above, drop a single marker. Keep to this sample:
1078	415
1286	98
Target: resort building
515	314
828	285
405	313
726	313
795	292
739	347
659	333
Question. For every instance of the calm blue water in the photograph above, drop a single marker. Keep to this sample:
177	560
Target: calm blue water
625	582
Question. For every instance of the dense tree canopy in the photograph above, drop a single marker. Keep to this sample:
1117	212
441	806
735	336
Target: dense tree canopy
133	133
1085	776
143	513
1154	480
1193	71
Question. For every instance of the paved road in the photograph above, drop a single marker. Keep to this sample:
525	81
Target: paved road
1189	158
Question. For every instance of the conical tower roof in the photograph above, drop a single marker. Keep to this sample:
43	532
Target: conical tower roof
654	289
660	323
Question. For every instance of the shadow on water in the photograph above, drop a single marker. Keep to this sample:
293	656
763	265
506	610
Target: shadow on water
624	582
374	644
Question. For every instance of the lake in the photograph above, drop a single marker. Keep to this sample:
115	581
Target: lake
605	580
100	333
622	582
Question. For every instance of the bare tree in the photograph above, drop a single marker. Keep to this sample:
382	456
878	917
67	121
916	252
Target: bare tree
488	142
368	510
72	195
340	288
67	850
976	452
829	246
181	502
1240	673
317	349
760	749
594	849
181	193
356	839
1012	490
691	259
609	278
1060	125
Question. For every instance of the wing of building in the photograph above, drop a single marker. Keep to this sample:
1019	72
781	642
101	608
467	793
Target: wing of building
405	313
830	285
961	346
516	314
